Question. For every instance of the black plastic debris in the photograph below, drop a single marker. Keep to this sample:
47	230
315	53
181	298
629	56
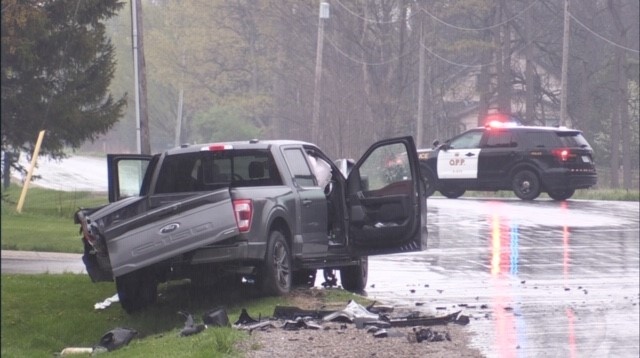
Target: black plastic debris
363	322
216	317
263	326
190	328
244	318
428	335
116	338
299	323
413	320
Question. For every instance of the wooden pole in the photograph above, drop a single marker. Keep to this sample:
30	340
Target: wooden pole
34	159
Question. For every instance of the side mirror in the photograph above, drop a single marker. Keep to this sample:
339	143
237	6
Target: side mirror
435	143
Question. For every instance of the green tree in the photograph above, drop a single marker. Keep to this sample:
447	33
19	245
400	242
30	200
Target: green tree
57	65
224	123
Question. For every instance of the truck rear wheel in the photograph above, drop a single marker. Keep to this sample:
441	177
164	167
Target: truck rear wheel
276	273
137	290
354	278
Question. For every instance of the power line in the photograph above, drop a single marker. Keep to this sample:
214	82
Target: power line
529	43
602	37
370	20
361	61
479	28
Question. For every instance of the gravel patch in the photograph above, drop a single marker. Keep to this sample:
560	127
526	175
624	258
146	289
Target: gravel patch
340	340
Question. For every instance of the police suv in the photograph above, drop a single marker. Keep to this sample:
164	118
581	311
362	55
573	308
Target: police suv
507	156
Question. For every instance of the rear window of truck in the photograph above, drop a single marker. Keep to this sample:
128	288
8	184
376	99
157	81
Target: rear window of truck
204	171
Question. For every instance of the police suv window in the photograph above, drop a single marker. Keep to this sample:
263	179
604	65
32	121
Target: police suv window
573	139
467	140
542	139
299	168
500	139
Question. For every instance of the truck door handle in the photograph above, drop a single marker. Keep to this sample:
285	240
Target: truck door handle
306	202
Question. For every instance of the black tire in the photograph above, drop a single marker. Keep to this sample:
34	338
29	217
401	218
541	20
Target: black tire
452	193
561	194
526	185
276	274
137	290
354	278
429	181
305	278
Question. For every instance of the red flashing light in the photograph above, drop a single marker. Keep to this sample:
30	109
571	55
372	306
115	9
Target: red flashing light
562	154
495	124
243	208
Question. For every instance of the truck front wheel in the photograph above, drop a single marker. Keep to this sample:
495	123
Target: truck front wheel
137	290
354	278
276	273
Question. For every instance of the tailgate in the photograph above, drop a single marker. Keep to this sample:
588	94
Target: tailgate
170	230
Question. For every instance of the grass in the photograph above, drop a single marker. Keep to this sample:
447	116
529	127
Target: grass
43	314
46	221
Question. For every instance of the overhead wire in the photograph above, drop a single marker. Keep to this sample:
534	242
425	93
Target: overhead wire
478	28
363	62
371	20
600	36
522	48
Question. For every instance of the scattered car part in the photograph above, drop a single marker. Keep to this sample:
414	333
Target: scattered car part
190	328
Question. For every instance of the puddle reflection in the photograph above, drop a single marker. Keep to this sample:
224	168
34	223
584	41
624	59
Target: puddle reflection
510	321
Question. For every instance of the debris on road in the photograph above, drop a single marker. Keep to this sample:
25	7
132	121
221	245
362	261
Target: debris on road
110	341
190	328
107	302
380	325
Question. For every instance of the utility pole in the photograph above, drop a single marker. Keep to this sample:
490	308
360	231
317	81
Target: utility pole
564	118
140	78
420	121
315	119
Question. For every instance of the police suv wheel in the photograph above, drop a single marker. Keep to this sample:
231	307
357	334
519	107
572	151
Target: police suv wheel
561	194
526	185
452	193
429	183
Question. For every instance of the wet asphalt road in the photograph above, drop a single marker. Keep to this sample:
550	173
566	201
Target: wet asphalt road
538	279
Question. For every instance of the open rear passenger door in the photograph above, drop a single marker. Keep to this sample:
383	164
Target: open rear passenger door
387	208
126	173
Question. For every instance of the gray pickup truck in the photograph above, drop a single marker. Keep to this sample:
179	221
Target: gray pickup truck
252	209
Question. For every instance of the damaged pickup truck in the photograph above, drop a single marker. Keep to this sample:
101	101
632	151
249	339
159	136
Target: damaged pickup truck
272	211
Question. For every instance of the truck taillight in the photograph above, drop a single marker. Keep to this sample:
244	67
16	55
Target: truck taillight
243	209
562	154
